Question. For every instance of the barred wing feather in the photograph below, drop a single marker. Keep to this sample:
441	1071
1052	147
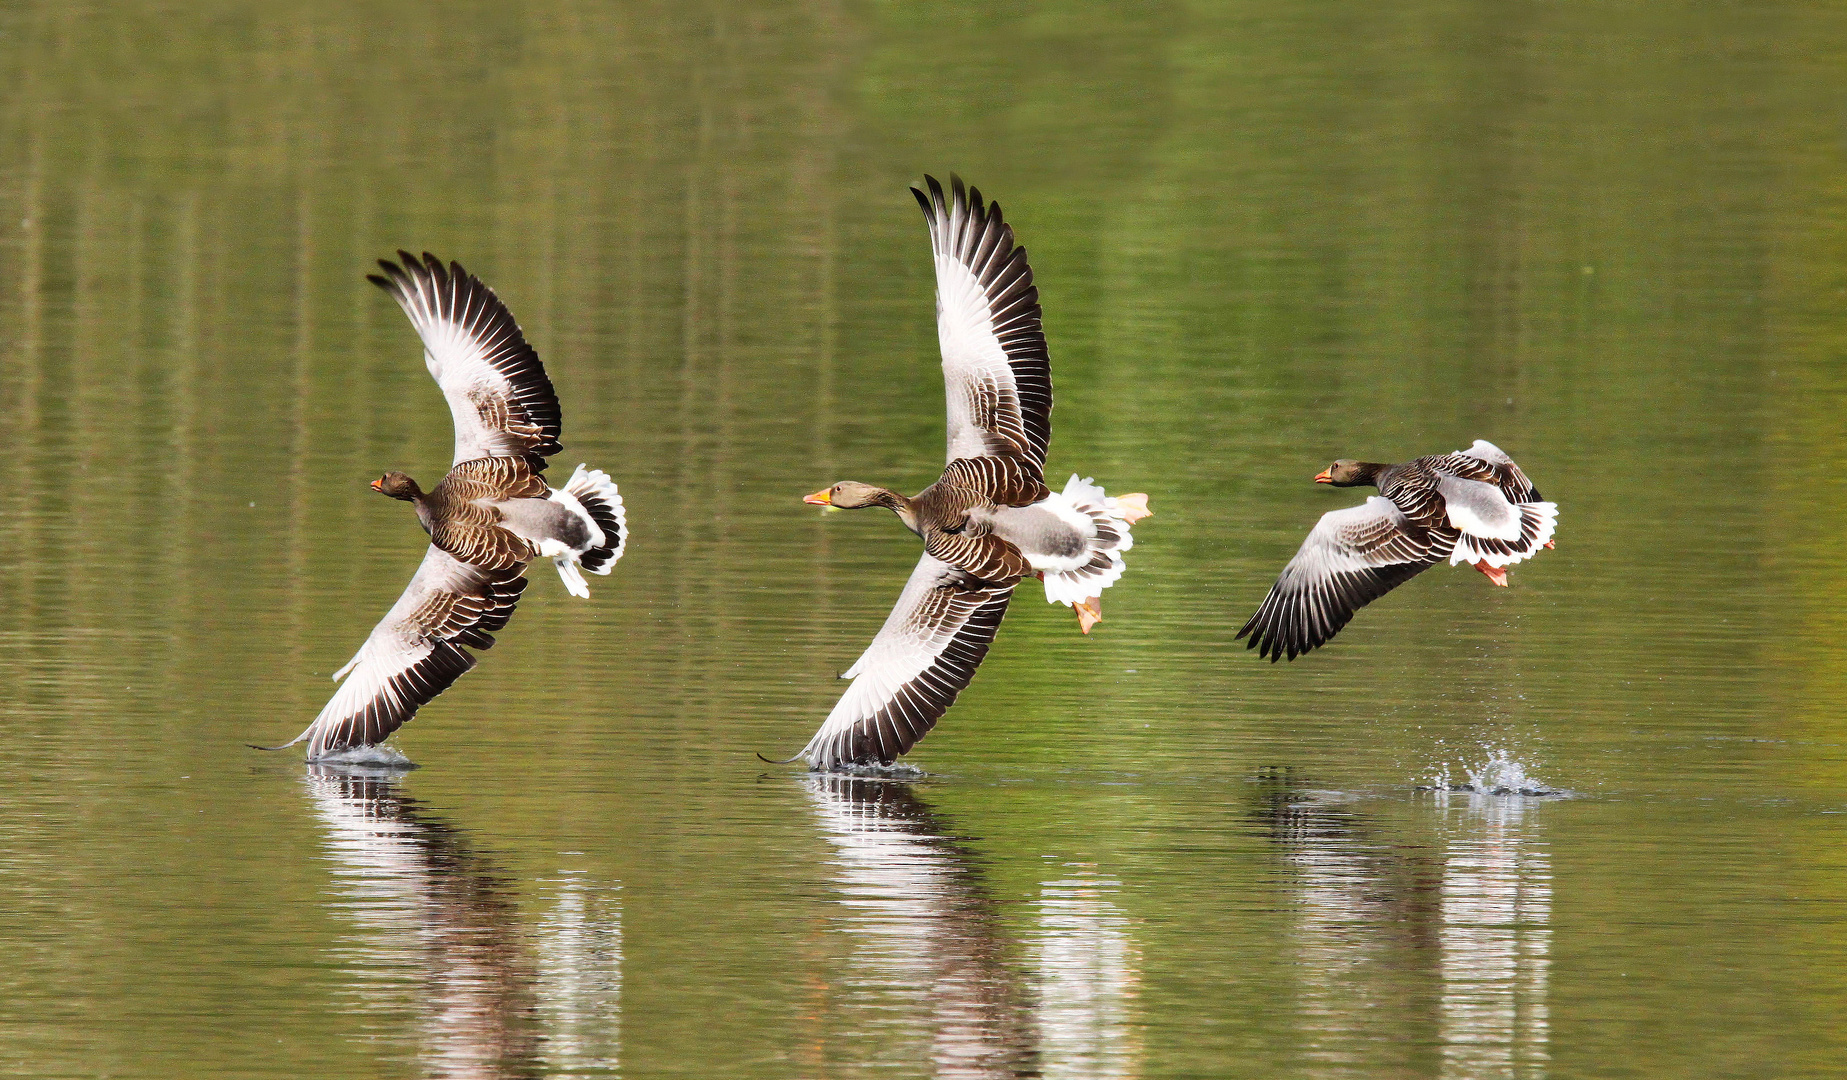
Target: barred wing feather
924	655
996	372
498	393
415	652
1351	558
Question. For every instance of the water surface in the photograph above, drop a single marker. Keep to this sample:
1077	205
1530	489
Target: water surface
1608	239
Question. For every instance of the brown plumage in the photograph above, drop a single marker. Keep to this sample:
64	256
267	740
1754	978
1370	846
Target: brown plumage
490	516
989	520
949	513
462	514
1474	506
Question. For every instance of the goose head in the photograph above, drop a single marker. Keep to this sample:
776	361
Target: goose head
852	495
1350	473
398	486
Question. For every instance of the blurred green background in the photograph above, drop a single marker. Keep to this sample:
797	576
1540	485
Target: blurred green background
1607	237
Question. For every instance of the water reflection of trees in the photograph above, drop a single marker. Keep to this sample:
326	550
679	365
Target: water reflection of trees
443	941
934	967
1422	953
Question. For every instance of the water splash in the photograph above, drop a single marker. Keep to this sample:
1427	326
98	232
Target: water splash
1502	774
897	770
364	760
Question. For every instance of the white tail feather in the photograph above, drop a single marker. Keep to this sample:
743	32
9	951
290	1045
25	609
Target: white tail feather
1084	498
594	485
573	578
1541	518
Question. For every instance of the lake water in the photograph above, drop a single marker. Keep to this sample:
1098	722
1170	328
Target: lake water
1611	239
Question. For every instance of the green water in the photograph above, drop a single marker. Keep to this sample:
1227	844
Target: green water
1610	238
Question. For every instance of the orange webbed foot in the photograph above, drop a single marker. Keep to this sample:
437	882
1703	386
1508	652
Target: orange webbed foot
1496	574
1133	507
1089	613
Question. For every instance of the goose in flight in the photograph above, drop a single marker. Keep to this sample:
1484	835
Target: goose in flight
990	519
487	519
1474	506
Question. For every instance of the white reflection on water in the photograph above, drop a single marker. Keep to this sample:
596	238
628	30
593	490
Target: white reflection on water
1422	958
930	977
443	944
580	979
1497	907
1089	973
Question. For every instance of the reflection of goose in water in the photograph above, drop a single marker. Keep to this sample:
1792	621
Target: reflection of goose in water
931	955
442	939
1497	938
1088	978
1366	924
929	947
1425	958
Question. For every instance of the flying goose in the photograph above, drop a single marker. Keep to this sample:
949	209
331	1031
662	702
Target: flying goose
990	520
1474	506
488	518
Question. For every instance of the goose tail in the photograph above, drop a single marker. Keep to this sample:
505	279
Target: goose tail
1082	586
1538	521
596	494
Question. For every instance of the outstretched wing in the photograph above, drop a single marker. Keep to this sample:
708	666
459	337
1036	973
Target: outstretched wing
502	402
996	371
1351	558
922	657
415	652
1489	464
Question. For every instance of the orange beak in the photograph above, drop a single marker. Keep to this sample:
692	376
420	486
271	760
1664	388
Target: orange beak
1322	477
379	484
824	497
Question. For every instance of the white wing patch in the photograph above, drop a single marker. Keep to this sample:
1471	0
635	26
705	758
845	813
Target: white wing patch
978	379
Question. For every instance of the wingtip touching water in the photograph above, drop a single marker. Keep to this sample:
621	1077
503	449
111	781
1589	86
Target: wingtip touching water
989	520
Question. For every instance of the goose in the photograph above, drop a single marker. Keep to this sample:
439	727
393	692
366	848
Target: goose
990	519
487	519
1474	506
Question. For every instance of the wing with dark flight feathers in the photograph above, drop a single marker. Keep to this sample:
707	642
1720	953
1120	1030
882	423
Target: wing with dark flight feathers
1351	558
996	371
415	652
498	393
924	655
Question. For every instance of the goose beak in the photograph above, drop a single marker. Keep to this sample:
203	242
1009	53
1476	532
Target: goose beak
824	497
1322	477
379	484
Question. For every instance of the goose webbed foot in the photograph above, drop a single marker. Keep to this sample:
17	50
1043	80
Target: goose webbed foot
1089	613
1133	507
1496	574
